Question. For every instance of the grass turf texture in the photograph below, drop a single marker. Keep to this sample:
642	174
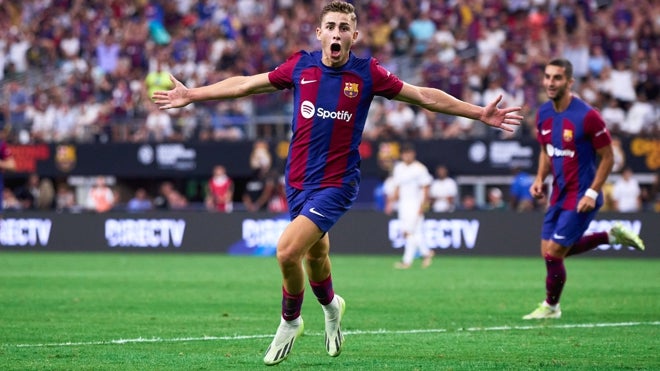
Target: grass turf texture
79	311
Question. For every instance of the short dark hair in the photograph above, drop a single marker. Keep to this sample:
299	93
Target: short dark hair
405	147
565	64
339	7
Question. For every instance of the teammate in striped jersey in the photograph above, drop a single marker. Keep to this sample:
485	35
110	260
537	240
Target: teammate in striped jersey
332	91
572	136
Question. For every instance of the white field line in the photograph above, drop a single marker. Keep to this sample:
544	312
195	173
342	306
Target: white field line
352	332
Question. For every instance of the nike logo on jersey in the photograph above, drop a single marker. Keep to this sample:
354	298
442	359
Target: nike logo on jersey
305	82
601	132
545	132
313	211
558	237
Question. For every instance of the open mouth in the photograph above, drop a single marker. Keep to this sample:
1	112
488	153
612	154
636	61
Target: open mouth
335	49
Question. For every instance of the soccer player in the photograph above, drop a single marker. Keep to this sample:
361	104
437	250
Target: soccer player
332	89
572	136
412	181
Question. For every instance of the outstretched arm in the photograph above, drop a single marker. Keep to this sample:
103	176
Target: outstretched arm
438	101
232	87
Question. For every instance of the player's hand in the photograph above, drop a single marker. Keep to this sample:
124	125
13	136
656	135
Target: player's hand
177	97
586	204
536	189
501	117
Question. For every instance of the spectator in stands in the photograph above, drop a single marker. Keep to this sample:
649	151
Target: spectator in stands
278	202
443	191
157	79
157	128
46	197
622	80
520	198
107	52
42	116
29	192
627	193
9	201
495	199
18	103
259	189
400	119
469	203
64	121
91	112
169	198
642	117
57	50
101	198
654	194
65	198
140	201
220	193
122	110
613	115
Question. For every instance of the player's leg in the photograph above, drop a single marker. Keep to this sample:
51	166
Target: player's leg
555	279
564	230
617	235
554	263
296	240
426	253
324	209
407	220
317	262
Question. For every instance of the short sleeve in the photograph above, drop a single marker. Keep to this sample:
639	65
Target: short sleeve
282	76
595	127
385	83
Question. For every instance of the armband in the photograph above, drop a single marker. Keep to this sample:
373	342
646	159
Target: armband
591	194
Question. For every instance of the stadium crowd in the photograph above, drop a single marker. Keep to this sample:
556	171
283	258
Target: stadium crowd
83	70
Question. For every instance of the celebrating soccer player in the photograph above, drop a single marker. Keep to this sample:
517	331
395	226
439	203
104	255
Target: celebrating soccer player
333	89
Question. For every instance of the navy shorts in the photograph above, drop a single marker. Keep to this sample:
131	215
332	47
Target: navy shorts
565	227
323	206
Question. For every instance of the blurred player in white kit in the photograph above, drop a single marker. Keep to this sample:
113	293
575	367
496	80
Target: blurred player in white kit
411	180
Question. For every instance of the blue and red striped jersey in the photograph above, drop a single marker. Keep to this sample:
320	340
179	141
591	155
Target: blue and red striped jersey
571	138
330	106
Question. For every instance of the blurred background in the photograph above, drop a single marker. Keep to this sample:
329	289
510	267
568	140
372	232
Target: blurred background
76	77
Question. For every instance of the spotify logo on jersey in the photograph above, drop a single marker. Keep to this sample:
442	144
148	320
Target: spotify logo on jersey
307	109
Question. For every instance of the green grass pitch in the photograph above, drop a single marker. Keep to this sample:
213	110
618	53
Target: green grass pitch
106	311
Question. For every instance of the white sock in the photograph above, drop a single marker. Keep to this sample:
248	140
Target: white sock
293	322
553	307
610	237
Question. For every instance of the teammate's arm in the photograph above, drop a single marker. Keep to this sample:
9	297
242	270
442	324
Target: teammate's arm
544	169
438	101
606	155
232	87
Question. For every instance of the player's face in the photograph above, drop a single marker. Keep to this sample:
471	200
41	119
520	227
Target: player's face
555	82
337	34
408	157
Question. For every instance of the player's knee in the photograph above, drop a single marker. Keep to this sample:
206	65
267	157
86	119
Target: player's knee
288	256
554	250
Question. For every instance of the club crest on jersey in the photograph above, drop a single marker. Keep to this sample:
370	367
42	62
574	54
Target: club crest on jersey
568	135
351	89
